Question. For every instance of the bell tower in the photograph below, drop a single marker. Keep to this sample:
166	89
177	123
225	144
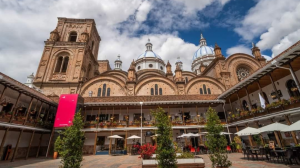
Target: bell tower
69	57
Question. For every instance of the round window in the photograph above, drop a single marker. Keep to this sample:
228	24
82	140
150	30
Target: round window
242	73
139	67
150	65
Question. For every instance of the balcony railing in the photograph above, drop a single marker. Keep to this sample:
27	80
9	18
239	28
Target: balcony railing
274	107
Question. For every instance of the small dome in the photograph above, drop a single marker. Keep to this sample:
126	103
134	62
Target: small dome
203	51
30	76
149	54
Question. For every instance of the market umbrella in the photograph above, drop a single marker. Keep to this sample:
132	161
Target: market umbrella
273	127
134	137
293	127
225	133
115	137
248	131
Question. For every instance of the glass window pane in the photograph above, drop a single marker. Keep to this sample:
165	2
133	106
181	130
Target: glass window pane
104	90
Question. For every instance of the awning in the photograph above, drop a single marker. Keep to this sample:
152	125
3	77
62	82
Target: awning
293	127
248	131
273	127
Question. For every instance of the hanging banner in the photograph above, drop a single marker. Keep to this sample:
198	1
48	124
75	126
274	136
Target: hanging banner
68	105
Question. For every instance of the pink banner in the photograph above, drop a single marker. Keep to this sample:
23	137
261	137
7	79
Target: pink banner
66	110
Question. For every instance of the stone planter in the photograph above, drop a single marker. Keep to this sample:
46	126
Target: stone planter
181	163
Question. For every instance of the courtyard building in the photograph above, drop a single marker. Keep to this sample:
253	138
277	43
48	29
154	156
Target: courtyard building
119	101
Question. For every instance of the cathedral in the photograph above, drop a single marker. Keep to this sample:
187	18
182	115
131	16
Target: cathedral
245	90
69	65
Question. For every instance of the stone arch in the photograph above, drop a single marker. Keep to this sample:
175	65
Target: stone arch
143	87
194	85
240	60
116	85
148	73
117	73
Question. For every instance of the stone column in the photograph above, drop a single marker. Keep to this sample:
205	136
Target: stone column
276	135
274	87
249	100
14	107
3	142
293	132
17	146
29	146
49	143
28	110
241	106
249	136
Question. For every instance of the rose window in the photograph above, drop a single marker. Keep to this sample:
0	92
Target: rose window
242	73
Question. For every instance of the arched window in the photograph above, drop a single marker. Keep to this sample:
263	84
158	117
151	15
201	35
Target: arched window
186	80
104	90
201	91
152	91
208	91
73	37
108	91
156	89
65	64
204	88
160	91
58	64
99	92
292	88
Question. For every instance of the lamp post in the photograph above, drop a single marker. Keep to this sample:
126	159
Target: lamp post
141	103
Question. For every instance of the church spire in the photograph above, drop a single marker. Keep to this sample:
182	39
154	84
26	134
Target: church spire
202	40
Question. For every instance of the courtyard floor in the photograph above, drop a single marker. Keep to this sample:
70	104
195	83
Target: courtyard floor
104	161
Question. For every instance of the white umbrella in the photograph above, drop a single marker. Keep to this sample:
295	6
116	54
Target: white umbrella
225	133
115	137
293	127
273	127
134	137
248	131
156	135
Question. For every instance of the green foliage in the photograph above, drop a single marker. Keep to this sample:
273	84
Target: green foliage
186	155
72	141
216	142
257	139
166	152
58	145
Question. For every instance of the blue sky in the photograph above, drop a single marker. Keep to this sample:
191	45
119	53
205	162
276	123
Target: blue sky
124	26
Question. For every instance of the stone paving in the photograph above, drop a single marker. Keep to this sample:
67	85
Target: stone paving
104	161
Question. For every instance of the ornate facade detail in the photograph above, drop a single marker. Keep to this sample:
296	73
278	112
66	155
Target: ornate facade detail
242	73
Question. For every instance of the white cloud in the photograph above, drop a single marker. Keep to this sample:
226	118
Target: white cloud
26	24
238	49
143	11
276	22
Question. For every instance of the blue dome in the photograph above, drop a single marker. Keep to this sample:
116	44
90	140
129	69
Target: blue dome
149	54
203	51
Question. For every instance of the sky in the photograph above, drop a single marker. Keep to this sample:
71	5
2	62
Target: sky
125	25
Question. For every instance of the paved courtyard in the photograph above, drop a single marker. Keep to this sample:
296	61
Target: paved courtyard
104	161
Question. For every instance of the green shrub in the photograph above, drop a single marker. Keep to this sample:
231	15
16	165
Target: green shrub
216	142
186	155
166	152
73	139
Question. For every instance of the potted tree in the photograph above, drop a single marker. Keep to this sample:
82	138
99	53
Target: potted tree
238	142
215	141
57	147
